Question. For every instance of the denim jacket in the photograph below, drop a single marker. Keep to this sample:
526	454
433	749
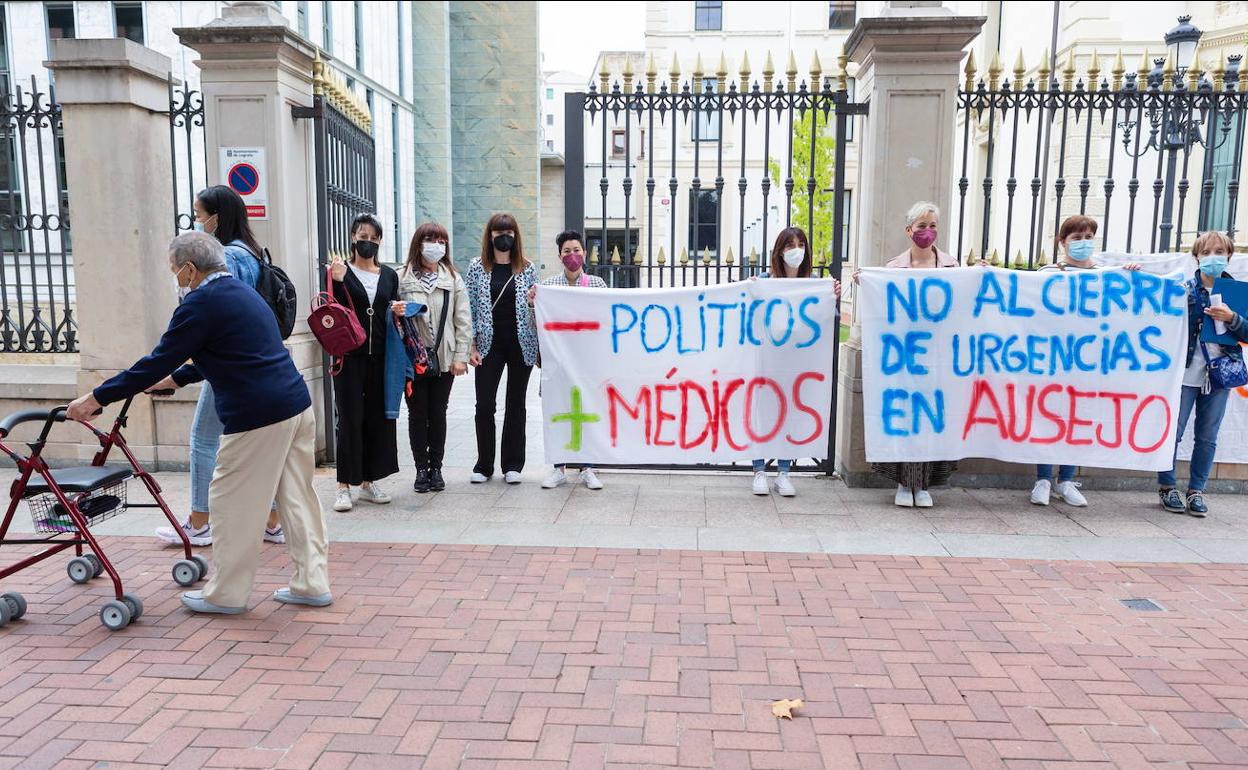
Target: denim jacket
243	265
1197	301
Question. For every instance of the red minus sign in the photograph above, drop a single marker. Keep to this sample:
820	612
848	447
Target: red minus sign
572	326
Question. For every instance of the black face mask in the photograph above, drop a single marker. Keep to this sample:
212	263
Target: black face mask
366	249
504	242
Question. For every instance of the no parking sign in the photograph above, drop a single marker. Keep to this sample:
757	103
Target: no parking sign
243	170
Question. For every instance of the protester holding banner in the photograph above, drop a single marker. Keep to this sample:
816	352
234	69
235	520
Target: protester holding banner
790	258
367	447
430	278
572	255
914	480
1076	242
504	338
1213	370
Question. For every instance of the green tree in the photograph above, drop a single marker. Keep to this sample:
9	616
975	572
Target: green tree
820	232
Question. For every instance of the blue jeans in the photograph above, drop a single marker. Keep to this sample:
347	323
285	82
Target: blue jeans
1064	473
1210	408
781	465
206	430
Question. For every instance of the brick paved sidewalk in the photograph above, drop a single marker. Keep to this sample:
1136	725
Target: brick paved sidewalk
486	656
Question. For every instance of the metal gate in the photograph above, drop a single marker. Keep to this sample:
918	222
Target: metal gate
36	266
346	183
653	147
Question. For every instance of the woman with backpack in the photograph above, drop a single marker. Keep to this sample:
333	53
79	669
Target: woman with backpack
220	212
367	446
445	328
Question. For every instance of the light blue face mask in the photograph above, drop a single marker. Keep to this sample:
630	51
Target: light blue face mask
1080	251
1214	265
199	226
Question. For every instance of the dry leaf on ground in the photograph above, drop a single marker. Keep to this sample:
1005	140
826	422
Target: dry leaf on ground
784	708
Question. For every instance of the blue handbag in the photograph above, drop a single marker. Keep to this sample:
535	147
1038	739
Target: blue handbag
1223	372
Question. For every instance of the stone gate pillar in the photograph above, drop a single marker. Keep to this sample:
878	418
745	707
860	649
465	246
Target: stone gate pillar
113	94
908	71
254	71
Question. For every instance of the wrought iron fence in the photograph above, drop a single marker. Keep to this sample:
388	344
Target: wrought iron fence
659	140
186	150
36	271
1120	148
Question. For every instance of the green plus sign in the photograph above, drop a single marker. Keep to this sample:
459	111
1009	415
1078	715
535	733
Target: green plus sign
578	420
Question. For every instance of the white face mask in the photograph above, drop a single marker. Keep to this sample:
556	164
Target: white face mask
180	290
793	257
432	252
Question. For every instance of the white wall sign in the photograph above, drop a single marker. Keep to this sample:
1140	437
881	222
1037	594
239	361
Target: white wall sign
243	169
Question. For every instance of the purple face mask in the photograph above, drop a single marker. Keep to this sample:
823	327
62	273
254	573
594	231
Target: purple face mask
923	238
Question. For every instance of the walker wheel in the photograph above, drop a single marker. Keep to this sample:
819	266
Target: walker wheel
16	603
202	563
97	565
80	569
115	615
134	604
185	572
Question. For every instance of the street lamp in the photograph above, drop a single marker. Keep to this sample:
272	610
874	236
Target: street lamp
1182	42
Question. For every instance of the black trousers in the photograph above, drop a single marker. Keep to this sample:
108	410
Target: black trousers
367	442
426	420
504	354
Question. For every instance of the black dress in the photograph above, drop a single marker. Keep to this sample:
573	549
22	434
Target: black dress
367	448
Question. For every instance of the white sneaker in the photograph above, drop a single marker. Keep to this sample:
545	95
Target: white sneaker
371	493
512	477
343	501
784	486
200	537
1040	492
590	479
761	487
556	479
1069	491
922	498
904	497
478	478
275	535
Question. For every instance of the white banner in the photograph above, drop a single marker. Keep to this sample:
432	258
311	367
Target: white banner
708	374
1233	435
1056	367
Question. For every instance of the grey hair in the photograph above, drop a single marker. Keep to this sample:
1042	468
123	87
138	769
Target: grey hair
202	250
919	209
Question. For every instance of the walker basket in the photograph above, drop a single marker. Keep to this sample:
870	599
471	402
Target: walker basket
96	506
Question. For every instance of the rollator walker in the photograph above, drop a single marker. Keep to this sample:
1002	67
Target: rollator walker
66	502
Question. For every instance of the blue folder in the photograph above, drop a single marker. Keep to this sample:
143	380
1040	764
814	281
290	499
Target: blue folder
1234	295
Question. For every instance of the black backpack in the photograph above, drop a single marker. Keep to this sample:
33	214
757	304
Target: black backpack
275	287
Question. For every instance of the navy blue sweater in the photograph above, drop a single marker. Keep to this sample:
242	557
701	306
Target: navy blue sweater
231	336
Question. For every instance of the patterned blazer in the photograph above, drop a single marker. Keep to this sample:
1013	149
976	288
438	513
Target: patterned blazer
483	319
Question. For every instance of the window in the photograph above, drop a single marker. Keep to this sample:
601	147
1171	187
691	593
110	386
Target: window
550	119
550	144
550	93
399	9
327	26
60	20
395	176
301	14
10	192
848	204
708	15
128	21
618	140
703	224
358	22
1223	170
842	15
706	120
